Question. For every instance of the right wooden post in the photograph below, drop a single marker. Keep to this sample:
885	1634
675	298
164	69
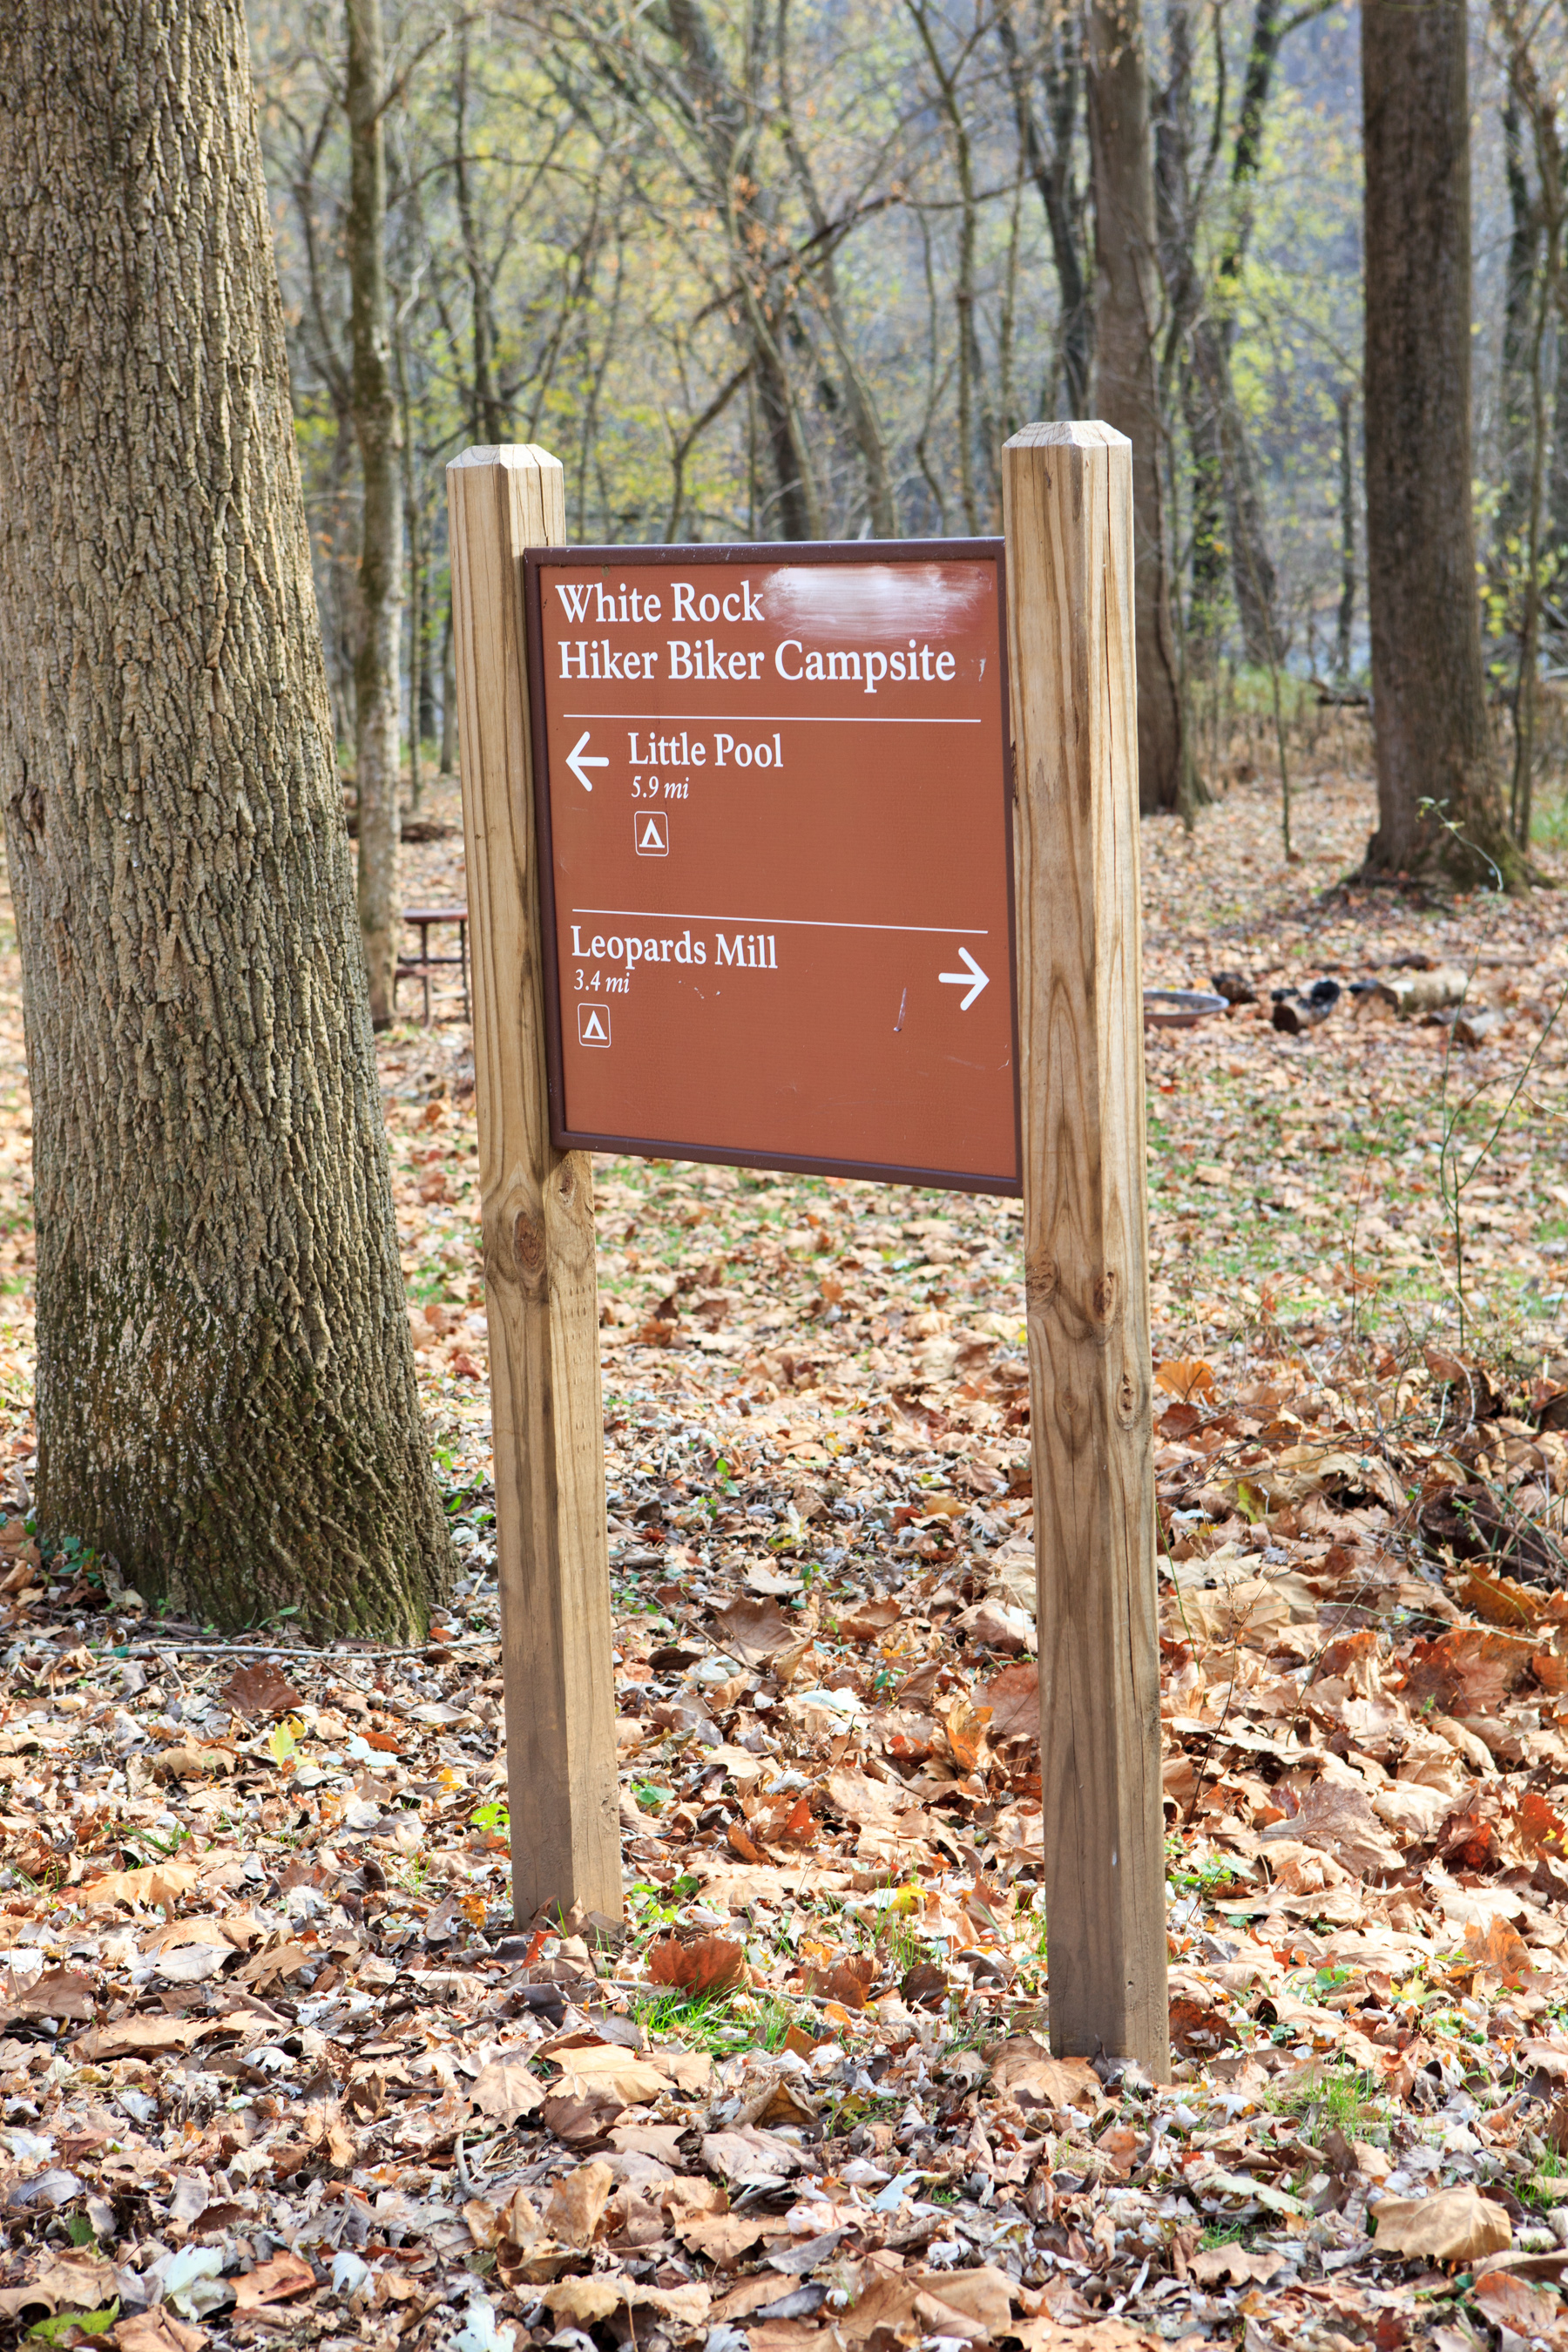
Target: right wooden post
1067	500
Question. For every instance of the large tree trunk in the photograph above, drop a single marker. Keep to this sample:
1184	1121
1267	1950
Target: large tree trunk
1127	319
1436	787
376	731
226	1389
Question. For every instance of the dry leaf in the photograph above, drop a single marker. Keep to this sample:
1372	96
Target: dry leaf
1185	1377
507	2088
848	1980
57	1992
138	2037
69	2283
1520	2309
581	2301
157	2331
575	2205
710	1964
286	2275
605	2067
159	1882
1014	1699
1212	2265
1499	1950
870	1619
262	1689
757	1631
1454	2225
1025	2072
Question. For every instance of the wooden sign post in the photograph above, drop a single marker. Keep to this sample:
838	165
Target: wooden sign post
1067	503
1069	567
542	1299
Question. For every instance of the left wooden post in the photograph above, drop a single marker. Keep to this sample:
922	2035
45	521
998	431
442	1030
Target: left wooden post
537	1206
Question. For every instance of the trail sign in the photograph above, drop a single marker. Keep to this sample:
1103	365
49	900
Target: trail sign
817	972
843	825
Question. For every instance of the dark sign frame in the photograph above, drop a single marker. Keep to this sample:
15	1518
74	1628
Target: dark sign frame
537	560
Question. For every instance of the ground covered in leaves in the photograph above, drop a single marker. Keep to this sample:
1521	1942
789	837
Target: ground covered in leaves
276	2062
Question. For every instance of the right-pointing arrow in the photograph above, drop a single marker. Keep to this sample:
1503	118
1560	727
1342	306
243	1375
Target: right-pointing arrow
973	980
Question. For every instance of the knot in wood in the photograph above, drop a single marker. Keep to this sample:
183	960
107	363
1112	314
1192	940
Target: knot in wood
1126	1399
1041	1276
528	1251
1104	1302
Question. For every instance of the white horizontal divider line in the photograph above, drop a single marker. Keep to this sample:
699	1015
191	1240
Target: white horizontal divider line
768	719
785	922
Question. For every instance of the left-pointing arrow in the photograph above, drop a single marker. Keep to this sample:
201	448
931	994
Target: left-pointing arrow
577	760
973	980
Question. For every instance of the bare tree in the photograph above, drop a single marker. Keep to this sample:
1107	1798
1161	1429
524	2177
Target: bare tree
1128	320
374	397
1438	805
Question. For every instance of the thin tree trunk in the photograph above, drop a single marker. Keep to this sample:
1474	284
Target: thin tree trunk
414	523
487	415
1539	103
1345	618
1438	804
226	1391
863	416
448	697
376	666
969	368
1127	326
1519	304
1051	169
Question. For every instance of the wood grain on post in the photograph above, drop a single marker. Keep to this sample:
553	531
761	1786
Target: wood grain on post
1068	493
537	1205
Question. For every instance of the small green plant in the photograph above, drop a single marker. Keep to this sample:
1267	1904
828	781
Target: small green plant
55	2330
1346	2101
494	1816
283	1739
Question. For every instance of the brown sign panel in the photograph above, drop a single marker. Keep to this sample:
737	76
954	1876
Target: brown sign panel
775	834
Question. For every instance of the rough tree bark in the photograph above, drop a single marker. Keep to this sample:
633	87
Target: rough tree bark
374	398
1438	805
226	1391
1127	319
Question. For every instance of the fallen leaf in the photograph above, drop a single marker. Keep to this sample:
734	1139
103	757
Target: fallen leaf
286	2275
1499	1950
848	1980
159	1882
261	1689
1455	2225
157	2331
1025	2072
575	2205
1185	1377
1238	2264
1014	1699
186	1763
1523	2310
137	2037
756	1630
584	2300
57	1992
710	1964
606	2067
506	2088
69	2283
871	1618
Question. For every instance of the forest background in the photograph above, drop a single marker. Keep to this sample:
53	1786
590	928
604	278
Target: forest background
834	338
